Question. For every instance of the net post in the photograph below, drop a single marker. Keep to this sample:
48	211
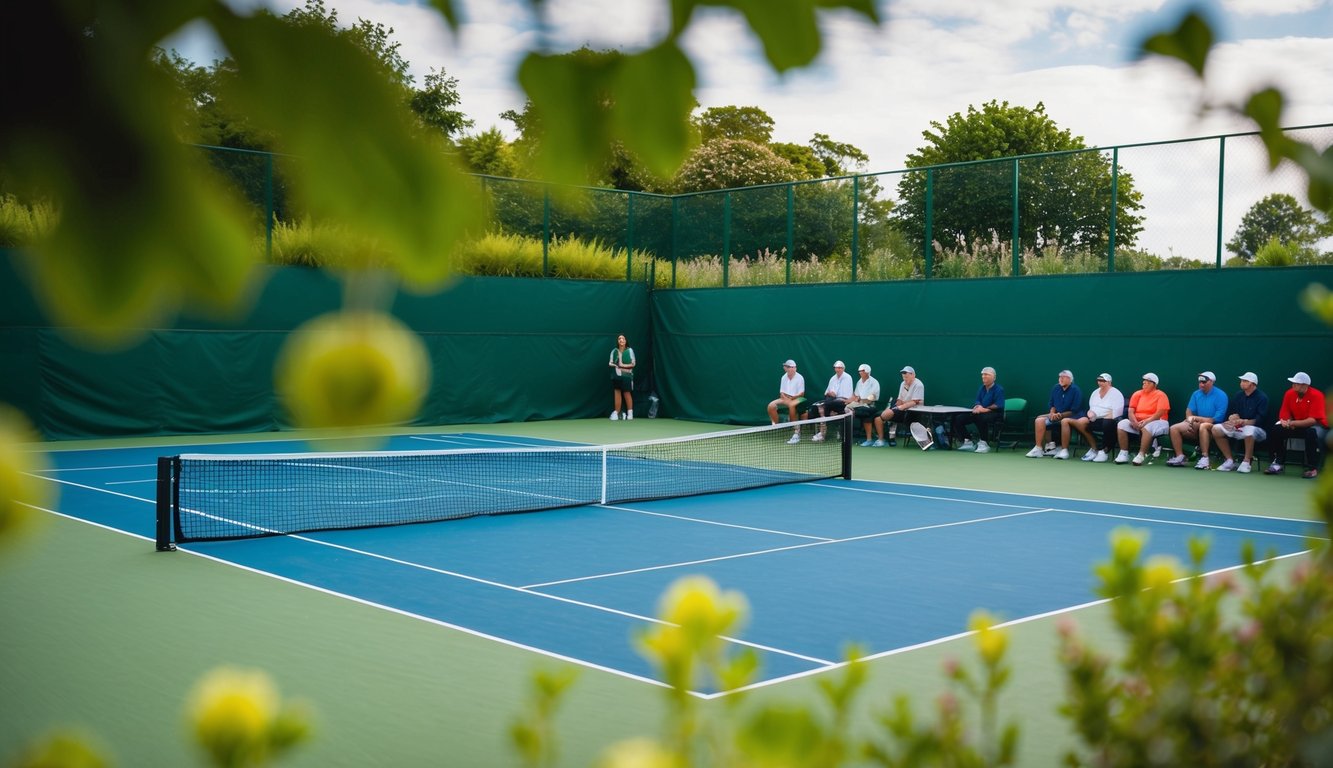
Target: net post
849	424
166	483
604	452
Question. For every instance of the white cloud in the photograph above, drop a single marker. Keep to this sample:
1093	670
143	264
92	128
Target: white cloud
1271	7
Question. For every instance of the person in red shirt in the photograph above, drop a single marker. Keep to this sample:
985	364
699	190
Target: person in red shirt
1303	417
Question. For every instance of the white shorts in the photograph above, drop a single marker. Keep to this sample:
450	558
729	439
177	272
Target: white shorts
1240	433
1154	428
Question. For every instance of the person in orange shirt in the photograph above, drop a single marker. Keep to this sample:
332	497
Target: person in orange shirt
1302	416
1146	417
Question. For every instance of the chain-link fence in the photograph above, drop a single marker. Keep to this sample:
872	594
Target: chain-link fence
1195	203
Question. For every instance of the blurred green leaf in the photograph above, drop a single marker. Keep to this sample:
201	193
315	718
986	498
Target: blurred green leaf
787	29
654	95
1189	42
396	186
570	94
448	11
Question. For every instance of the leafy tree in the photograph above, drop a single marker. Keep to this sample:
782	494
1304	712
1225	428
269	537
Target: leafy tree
743	123
434	105
727	163
487	153
802	157
1064	200
1280	217
838	158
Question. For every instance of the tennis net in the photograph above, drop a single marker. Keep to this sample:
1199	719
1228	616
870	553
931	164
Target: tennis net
207	497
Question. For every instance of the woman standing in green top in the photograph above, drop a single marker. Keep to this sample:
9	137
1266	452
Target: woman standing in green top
622	377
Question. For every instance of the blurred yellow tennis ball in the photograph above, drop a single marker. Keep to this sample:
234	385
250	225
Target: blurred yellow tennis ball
353	369
20	491
231	711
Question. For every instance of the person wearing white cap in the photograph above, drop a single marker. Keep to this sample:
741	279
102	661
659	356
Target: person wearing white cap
1247	422
911	393
1303	417
1207	406
1147	416
791	395
836	395
987	413
863	400
1064	402
1106	406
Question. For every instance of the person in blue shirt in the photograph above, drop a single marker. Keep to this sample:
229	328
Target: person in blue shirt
1207	406
987	413
1065	401
1248	421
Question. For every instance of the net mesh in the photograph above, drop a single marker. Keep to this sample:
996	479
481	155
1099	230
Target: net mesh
210	497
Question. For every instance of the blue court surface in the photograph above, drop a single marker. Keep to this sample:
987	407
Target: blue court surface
887	566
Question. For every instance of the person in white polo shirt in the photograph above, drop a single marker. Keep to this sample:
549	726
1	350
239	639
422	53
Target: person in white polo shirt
836	395
791	395
1106	405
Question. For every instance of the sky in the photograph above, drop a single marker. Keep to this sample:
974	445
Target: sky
880	87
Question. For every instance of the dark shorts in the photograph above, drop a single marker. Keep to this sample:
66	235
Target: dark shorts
831	407
625	385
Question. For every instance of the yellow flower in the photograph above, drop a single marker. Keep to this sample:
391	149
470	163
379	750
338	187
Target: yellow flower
353	369
991	642
1126	544
638	753
698	607
232	712
19	490
1160	571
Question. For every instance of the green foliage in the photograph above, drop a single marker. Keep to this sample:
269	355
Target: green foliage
789	33
533	734
1274	253
1195	686
1276	217
25	224
488	153
727	163
738	123
1190	42
1064	199
839	158
802	158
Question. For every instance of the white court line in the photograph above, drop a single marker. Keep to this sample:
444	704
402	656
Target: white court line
1191	525
444	438
1047	498
98	469
714	522
131	482
825	542
960	635
525	590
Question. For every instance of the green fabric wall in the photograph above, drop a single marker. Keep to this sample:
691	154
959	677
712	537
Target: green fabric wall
720	351
502	349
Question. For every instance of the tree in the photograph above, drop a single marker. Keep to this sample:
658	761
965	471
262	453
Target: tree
838	158
727	163
741	123
1064	199
434	105
801	157
487	153
1280	217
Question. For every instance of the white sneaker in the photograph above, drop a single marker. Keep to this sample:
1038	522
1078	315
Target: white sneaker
878	444
1090	455
1203	463
982	447
1101	457
1122	457
1050	446
1227	466
1035	453
1063	453
794	440
1175	461
817	438
1244	467
967	446
629	415
615	415
1156	448
1138	459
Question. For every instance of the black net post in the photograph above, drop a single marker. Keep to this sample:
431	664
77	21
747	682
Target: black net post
166	484
848	426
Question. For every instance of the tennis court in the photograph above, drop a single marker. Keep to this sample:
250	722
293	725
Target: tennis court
887	565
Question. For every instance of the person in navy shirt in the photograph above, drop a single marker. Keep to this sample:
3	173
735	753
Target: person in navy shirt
1065	400
1207	406
987	413
1248	422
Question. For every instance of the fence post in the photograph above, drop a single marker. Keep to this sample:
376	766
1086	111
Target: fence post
1115	197
1014	237
629	237
675	229
546	230
930	221
268	207
726	235
856	218
1221	179
791	226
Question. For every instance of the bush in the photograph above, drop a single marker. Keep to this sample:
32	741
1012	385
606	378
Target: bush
22	224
